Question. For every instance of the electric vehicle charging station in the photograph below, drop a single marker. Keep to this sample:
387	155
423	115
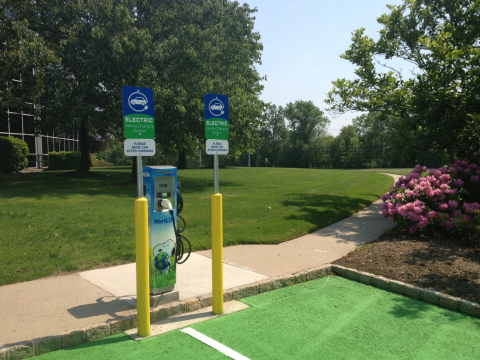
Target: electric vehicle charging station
160	190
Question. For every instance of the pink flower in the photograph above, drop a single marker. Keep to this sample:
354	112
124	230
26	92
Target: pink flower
417	210
424	168
444	177
432	214
423	222
384	213
453	204
438	192
470	208
443	206
457	213
475	178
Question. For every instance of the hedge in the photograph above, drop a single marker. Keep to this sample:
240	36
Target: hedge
13	154
64	160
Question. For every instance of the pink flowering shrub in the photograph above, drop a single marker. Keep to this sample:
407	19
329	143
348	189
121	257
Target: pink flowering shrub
430	201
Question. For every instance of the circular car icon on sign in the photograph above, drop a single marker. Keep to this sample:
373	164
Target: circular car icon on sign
216	107
138	101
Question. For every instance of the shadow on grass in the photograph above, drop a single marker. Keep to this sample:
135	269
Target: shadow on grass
413	309
50	184
192	185
324	210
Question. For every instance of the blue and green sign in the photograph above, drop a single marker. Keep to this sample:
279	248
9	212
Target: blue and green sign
138	113
216	116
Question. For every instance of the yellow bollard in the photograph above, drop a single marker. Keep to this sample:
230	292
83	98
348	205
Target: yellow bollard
143	286
217	254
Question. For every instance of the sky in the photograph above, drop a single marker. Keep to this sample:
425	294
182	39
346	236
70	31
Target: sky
302	43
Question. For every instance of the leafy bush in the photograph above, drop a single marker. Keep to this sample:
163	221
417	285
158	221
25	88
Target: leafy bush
14	154
432	201
64	160
97	162
114	154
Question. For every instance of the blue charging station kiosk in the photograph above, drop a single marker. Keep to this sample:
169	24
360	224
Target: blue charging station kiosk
160	183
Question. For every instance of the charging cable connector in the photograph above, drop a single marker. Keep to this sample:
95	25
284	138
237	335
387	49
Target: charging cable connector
167	204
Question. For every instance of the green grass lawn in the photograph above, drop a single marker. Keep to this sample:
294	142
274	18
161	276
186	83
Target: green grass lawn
51	224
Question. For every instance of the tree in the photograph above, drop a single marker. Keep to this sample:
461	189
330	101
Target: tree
21	51
306	123
437	106
101	50
378	140
273	134
211	48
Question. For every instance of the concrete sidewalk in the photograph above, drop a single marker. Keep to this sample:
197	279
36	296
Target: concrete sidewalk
53	305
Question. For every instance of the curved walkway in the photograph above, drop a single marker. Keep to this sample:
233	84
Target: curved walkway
318	248
49	306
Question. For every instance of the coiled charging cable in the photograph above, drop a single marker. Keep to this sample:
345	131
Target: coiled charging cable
181	239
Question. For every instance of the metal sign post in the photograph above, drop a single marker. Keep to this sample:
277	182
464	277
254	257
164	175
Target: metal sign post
216	185
139	131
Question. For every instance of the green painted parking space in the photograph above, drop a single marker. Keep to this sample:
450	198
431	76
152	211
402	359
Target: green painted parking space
328	318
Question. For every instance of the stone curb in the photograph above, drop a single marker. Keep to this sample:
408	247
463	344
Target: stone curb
427	295
98	331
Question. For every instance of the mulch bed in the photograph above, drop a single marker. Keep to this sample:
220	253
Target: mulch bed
437	263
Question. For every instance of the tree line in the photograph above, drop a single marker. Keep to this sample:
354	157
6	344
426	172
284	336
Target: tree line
296	136
84	51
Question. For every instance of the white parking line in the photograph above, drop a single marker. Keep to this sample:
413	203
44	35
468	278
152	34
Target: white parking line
214	344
